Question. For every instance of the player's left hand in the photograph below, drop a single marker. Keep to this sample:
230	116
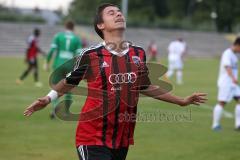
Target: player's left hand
39	104
195	99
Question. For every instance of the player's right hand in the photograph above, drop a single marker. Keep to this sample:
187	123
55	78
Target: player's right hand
37	105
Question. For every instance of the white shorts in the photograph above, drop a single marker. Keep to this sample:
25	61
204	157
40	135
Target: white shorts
227	93
175	64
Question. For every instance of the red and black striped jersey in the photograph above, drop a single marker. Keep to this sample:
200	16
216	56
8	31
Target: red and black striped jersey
113	84
32	49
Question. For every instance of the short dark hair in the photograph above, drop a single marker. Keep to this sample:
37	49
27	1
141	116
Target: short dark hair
69	25
99	19
237	41
36	32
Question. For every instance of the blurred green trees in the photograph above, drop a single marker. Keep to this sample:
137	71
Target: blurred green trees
10	15
220	15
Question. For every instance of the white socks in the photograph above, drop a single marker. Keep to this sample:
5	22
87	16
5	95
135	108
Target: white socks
217	114
179	77
237	116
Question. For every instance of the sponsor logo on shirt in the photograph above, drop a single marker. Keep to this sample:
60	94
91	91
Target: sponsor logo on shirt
122	78
104	65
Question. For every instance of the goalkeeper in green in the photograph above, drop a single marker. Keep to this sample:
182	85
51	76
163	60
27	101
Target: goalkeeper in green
64	47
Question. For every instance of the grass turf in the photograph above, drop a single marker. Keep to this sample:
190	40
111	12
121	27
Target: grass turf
38	137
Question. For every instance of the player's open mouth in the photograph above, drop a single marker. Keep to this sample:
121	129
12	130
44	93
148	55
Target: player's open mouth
119	20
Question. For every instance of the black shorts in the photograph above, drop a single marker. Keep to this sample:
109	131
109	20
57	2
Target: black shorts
32	62
101	153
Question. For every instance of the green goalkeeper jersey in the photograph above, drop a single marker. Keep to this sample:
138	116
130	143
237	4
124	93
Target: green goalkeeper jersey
66	45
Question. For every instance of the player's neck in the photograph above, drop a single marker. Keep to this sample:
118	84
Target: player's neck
116	37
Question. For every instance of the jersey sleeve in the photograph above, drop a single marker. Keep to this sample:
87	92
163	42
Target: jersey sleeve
79	71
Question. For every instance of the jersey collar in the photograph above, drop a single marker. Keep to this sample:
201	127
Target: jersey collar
110	49
68	31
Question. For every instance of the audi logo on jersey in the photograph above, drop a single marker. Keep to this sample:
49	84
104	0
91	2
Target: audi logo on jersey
121	78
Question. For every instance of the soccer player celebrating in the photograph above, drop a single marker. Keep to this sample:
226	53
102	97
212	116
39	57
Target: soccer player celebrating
65	45
115	74
176	51
228	87
31	57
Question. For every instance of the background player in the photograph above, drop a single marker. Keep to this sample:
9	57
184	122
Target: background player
65	46
106	137
152	51
228	87
31	57
176	51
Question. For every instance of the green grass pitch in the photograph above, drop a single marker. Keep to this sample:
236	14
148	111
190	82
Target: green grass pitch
39	138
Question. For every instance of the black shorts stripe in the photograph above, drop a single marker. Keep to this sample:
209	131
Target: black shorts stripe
117	101
79	155
82	152
105	95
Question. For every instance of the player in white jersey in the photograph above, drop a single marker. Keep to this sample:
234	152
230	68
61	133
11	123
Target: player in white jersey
228	87
176	50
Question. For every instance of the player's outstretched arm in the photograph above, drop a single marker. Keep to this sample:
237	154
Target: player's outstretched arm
196	98
49	57
60	89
